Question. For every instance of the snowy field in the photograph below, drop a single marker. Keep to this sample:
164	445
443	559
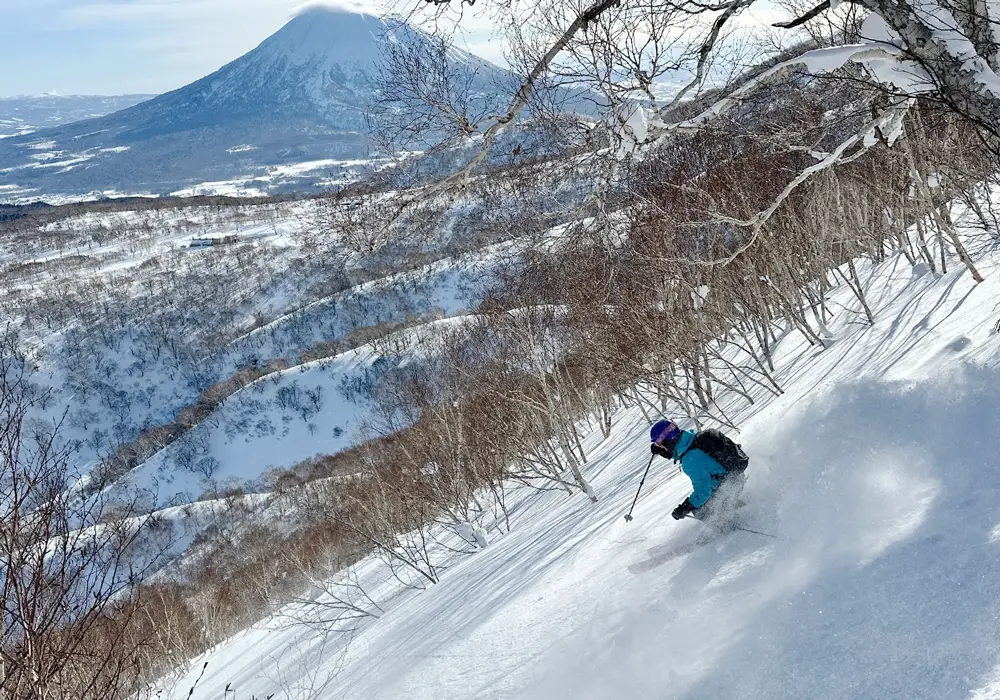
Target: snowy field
877	472
313	176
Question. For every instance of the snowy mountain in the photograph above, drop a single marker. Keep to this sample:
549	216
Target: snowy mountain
300	98
26	113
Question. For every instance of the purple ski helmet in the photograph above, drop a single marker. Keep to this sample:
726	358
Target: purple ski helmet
663	430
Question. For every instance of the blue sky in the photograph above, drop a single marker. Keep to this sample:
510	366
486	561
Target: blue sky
127	46
114	47
120	46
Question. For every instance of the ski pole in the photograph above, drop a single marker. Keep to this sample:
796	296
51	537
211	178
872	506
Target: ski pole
756	532
731	527
628	516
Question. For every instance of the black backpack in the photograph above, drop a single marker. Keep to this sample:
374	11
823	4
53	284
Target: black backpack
720	448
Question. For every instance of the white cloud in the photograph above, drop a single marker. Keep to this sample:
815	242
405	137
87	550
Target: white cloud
366	6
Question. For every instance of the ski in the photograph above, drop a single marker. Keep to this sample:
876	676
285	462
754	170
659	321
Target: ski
668	551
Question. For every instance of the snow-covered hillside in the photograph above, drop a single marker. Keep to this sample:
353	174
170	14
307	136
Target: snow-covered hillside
274	322
291	114
875	470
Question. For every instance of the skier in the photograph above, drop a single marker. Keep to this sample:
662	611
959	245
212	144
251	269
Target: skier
715	464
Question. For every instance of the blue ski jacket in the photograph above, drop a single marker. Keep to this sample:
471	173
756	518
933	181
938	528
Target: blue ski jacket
705	473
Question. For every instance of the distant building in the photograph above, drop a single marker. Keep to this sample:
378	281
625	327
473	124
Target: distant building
209	242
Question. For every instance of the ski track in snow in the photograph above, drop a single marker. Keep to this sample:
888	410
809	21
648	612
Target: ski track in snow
878	471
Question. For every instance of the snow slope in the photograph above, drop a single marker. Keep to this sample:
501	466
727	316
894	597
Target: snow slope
877	472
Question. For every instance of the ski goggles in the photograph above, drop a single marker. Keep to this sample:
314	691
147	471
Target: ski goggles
664	430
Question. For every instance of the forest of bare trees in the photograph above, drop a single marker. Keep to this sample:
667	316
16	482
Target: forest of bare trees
70	566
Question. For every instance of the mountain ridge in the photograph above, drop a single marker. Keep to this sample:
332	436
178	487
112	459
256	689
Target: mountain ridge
302	95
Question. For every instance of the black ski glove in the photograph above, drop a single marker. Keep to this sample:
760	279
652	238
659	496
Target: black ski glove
661	451
683	510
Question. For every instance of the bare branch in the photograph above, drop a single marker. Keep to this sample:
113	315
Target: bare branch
707	46
799	21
